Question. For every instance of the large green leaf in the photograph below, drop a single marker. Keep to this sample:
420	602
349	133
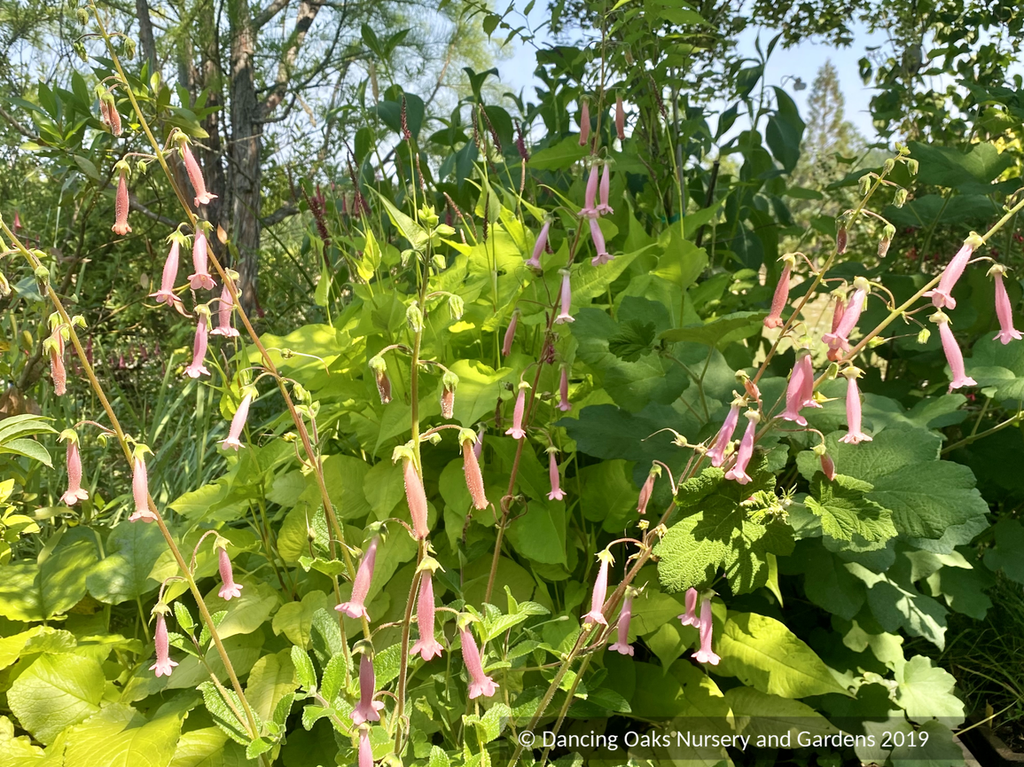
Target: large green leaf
207	747
719	332
55	692
270	680
37	592
896	604
132	550
760	715
926	692
846	514
119	736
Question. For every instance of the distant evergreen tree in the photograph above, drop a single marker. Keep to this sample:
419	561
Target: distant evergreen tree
828	133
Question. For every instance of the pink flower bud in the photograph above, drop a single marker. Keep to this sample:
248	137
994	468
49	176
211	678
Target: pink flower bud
380	373
516	430
474	479
942	295
828	466
355	607
140	492
164	664
622	646
646	491
416	498
74	493
954	356
120	226
479	682
201	278
705	654
841	239
556	493
563	392
738	472
166	292
229	588
853	409
225	305
1004	311
197	367
448	383
620	119
58	372
539	247
195	175
427	646
724	436
603	256
584	124
603	207
566	299
368	709
237	424
689	618
510	335
774	318
589	209
597	597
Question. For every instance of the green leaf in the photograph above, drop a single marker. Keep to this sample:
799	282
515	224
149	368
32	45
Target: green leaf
438	758
207	747
970	172
785	131
896	604
119	736
926	692
55	692
246	613
828	582
845	514
1008	553
270	680
539	534
479	389
719	332
295	619
681	262
36	592
562	155
1000	366
413	232
760	715
333	678
123	574
304	670
766	655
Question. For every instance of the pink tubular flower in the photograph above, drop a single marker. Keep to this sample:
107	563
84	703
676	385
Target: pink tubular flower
724	437
1004	311
738	472
584	124
197	367
563	392
166	293
224	313
620	119
942	295
201	278
510	335
58	372
796	390
479	682
355	608
120	226
237	424
589	209
556	493
516	430
365	748
74	493
774	318
807	388
954	356
471	468
195	175
689	618
164	664
646	491
622	645
839	338
603	256
368	709
566	298
596	614
603	207
140	492
427	646
229	589
539	246
416	497
705	654
853	409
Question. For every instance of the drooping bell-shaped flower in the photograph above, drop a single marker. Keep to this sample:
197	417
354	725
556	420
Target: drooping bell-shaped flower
166	293
427	646
225	307
201	278
954	357
942	295
74	493
589	209
365	748
839	338
516	430
1004	311
556	493
233	439
415	496
689	618
58	372
603	208
584	124
539	247
471	468
781	296
563	391
120	226
738	472
796	390
724	437
566	301
510	335
807	381
647	490
853	409
597	597
622	645
164	664
195	175
705	654
367	709
380	374
620	119
479	682
140	492
600	247
355	607
449	382
199	344
229	589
